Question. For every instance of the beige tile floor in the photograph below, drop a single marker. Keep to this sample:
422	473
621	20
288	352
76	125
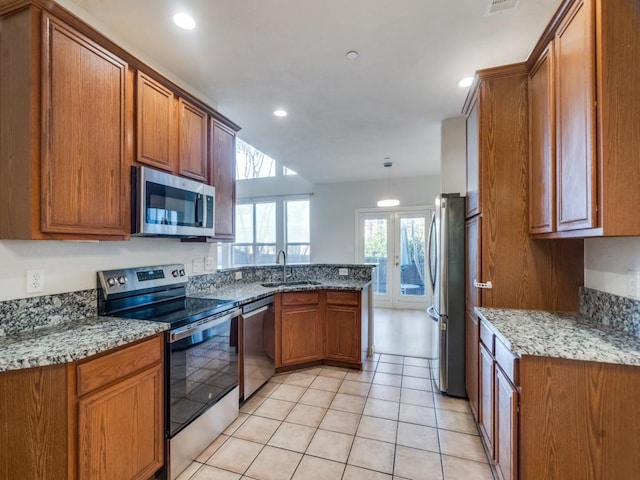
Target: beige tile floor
328	423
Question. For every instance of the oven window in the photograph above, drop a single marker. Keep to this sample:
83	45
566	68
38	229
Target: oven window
203	368
172	206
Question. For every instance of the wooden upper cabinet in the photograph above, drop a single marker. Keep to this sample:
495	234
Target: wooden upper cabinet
192	141
156	124
473	161
85	177
223	178
542	145
575	125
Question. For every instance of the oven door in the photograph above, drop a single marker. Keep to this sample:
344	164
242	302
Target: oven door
202	361
169	205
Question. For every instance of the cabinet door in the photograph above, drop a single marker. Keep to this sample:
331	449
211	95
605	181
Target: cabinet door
506	427
471	359
156	126
473	272
301	333
486	396
85	177
343	333
192	141
575	120
474	195
223	178
542	145
121	429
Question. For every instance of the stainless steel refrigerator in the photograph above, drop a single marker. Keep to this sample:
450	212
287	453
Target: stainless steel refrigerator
446	271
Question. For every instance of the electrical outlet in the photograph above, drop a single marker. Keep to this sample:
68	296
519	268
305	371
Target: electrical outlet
239	275
633	283
343	271
35	281
198	265
209	263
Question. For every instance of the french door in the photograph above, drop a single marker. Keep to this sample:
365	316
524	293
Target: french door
395	241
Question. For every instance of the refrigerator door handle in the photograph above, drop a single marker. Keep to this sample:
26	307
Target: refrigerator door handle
432	273
432	313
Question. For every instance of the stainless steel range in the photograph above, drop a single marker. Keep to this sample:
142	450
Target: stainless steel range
201	357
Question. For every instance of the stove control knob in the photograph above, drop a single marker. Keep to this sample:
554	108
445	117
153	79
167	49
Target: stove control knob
175	273
111	281
182	273
122	279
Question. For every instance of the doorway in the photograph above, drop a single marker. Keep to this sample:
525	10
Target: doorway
394	240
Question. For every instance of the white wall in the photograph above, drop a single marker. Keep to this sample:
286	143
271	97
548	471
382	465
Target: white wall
453	164
606	261
333	207
70	266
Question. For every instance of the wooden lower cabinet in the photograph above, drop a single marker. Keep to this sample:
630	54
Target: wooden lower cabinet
505	427
300	328
471	360
95	419
485	367
343	328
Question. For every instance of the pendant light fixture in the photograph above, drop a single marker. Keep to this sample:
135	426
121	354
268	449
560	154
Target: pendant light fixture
388	200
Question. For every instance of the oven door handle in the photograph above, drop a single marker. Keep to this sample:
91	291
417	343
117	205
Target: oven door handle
189	330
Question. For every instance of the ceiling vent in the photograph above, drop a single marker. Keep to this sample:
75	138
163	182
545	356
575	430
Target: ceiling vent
499	6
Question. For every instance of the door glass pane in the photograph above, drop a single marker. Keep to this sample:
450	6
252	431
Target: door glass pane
265	223
412	238
244	223
375	251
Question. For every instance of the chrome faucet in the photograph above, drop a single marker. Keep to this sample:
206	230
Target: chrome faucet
284	263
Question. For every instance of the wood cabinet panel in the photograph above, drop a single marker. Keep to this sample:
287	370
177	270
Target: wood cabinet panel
114	420
84	165
300	298
506	427
192	141
542	145
342	333
343	298
473	267
223	178
485	394
156	131
471	360
301	334
575	126
474	194
33	424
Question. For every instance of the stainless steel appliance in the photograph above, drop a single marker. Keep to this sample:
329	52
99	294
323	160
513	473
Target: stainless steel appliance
446	270
168	205
201	354
258	320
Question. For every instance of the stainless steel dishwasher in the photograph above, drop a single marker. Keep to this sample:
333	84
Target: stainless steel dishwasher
258	319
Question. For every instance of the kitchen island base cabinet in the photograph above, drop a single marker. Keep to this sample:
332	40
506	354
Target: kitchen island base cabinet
299	329
97	419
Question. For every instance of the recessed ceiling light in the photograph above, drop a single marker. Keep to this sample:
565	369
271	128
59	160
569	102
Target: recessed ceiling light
280	113
352	55
184	21
465	82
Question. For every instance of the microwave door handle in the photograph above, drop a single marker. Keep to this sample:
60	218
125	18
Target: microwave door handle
200	206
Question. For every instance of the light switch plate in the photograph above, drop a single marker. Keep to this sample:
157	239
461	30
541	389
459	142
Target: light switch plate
198	265
238	275
633	283
209	263
343	271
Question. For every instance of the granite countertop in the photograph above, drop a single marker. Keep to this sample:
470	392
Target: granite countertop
71	341
248	292
561	335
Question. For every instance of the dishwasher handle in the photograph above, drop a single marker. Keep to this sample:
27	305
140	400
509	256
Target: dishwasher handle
256	312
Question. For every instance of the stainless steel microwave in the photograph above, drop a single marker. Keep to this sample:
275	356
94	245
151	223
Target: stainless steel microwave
171	206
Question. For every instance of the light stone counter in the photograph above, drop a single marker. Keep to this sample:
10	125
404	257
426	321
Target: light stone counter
561	335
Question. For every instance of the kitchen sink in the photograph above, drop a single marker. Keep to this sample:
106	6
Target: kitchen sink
290	283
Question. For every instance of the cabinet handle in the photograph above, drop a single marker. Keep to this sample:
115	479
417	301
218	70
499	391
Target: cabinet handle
487	285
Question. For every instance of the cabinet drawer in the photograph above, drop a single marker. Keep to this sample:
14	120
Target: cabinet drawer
343	298
486	336
507	360
300	298
109	368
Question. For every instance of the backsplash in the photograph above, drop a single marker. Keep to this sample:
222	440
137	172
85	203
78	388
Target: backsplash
50	310
621	313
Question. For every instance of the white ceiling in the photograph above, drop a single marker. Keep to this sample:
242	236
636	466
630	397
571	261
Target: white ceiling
252	56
